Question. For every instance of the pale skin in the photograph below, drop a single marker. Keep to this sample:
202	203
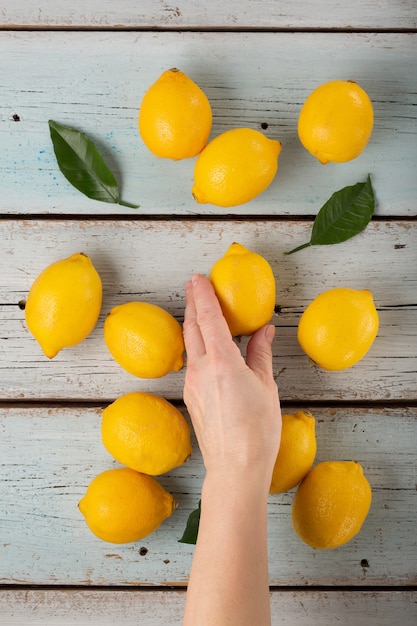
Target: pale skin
234	407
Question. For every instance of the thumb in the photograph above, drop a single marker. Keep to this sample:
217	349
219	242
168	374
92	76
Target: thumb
259	351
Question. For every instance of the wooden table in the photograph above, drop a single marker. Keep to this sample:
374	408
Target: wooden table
87	64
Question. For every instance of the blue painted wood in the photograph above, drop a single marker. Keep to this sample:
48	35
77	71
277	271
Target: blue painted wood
151	261
106	608
95	82
50	454
231	15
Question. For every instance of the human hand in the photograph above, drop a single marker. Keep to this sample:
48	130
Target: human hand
233	403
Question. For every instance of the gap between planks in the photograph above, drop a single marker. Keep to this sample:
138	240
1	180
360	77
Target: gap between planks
178	402
183	587
206	29
162	217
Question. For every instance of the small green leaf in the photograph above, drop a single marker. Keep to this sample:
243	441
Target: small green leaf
191	530
346	213
83	165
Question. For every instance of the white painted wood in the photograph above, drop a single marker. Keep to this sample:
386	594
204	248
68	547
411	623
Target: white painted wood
95	81
151	260
203	14
50	454
130	608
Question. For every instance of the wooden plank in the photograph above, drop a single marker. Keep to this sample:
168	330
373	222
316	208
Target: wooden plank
95	82
105	608
151	260
50	454
188	14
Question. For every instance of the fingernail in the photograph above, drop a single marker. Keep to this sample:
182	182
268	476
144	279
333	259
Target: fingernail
195	279
270	333
187	286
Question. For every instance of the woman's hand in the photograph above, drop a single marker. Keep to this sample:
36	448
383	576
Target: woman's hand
235	411
233	403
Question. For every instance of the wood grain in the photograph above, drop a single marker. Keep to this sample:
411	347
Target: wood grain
189	14
50	454
88	64
129	608
95	82
151	260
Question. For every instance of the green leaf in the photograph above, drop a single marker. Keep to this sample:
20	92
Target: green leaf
83	165
346	213
191	529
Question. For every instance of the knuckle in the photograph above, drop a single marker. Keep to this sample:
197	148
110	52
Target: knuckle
206	316
187	326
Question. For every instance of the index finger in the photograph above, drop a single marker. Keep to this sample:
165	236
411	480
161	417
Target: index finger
213	326
193	340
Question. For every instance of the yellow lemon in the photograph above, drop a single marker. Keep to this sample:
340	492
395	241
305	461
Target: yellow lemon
235	167
64	303
175	117
122	505
336	120
331	504
144	339
146	432
245	286
338	327
297	451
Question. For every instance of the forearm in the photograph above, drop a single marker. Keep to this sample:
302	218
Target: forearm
229	575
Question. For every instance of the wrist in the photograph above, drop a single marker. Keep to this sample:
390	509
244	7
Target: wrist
246	483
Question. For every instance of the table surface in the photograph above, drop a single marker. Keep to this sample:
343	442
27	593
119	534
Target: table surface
87	64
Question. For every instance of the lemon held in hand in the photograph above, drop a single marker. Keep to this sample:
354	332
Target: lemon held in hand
122	505
245	286
144	339
297	451
338	327
235	167
331	504
64	303
146	432
335	122
175	117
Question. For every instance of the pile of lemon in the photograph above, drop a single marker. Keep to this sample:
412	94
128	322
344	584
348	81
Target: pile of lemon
144	432
149	436
336	330
175	118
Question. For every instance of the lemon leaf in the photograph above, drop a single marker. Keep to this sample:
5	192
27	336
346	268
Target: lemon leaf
346	213
83	166
191	529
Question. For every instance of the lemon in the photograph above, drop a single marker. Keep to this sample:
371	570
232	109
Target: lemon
146	432
335	122
144	339
175	117
245	287
64	303
297	451
338	327
331	504
122	505
235	167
